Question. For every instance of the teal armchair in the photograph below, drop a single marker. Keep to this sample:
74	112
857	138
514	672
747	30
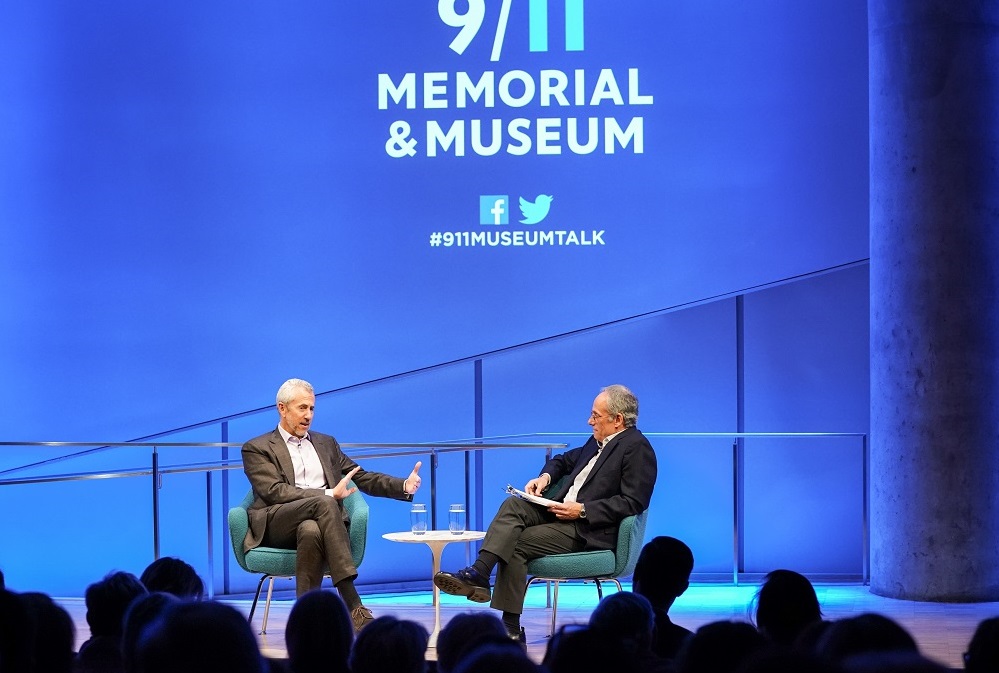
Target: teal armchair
272	562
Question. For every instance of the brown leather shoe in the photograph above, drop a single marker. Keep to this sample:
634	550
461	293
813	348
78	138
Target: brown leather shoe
361	616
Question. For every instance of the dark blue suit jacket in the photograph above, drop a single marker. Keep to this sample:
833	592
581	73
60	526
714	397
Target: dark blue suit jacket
619	485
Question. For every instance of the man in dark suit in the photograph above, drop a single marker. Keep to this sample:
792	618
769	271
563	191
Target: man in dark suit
299	479
609	478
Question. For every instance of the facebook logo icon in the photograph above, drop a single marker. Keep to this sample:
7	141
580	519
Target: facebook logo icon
494	209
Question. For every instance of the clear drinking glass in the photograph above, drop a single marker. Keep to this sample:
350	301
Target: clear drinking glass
418	518
456	519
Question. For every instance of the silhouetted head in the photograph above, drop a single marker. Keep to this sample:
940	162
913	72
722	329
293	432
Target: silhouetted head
143	611
784	660
173	576
580	648
463	633
16	633
663	571
107	601
809	637
390	644
891	662
626	617
54	640
719	647
785	605
202	637
319	633
500	655
983	650
862	634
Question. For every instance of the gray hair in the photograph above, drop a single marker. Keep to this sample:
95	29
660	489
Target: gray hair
622	401
286	393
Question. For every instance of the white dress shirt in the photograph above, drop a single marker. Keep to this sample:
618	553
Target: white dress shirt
308	469
580	479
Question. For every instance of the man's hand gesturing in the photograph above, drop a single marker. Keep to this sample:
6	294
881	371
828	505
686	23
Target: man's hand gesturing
538	484
413	481
341	490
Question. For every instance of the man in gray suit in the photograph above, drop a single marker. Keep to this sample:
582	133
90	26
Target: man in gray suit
607	479
299	479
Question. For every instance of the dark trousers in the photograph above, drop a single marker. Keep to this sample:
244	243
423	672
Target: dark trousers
315	528
520	532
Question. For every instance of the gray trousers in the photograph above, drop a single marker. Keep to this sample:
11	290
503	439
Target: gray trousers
520	532
315	528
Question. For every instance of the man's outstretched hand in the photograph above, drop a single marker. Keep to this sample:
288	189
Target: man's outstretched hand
341	490
413	481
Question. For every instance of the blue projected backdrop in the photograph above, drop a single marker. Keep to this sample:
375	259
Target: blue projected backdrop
212	197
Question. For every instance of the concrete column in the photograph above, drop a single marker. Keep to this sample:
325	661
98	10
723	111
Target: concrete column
934	138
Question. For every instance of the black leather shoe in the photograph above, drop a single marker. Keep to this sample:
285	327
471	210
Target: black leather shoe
518	637
466	582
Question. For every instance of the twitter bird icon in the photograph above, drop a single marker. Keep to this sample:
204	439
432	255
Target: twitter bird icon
536	211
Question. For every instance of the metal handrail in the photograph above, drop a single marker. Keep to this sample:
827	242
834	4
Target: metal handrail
394	450
367	451
737	505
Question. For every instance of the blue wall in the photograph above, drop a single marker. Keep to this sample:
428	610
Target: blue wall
805	370
200	201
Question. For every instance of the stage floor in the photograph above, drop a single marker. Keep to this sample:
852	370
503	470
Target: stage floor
942	630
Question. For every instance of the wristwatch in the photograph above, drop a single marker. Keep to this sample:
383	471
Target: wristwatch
582	511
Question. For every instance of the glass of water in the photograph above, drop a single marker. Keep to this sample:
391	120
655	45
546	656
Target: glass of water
418	518
456	519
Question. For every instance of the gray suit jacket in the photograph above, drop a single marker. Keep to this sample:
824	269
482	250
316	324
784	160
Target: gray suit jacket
268	466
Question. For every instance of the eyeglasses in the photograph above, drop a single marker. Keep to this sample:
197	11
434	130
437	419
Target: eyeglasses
594	416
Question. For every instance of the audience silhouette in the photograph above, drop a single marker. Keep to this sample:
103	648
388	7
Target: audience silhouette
662	574
891	662
319	633
53	634
577	649
866	633
500	655
983	650
627	620
171	629
773	659
143	611
198	637
786	605
463	633
173	576
390	644
107	601
16	633
720	647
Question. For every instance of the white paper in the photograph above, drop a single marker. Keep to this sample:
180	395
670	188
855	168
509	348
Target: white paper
524	495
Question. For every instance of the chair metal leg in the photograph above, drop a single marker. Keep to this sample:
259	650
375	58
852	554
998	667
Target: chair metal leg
256	597
554	610
267	606
552	601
